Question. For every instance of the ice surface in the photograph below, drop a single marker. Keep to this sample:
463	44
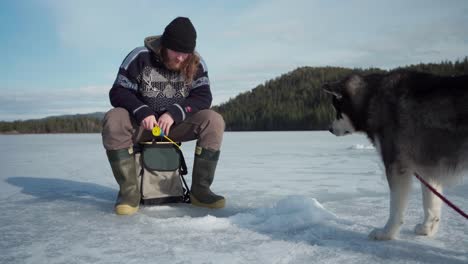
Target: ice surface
292	197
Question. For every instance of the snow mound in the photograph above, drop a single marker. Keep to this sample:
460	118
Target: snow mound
286	215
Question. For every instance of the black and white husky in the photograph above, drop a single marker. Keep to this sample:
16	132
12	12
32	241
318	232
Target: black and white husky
418	123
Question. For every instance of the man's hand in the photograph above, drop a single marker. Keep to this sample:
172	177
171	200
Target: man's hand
149	122
165	122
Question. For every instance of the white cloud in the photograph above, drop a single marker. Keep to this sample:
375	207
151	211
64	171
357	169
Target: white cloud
25	104
272	37
247	43
92	25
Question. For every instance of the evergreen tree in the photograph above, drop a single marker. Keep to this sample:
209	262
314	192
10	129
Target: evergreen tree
292	101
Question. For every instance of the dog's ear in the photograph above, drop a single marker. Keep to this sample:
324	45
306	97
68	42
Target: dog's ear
355	85
328	88
356	88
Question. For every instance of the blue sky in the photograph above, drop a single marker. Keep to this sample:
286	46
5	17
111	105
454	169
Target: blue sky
61	57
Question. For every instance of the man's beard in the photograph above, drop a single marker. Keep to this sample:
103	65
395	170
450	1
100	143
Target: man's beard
173	66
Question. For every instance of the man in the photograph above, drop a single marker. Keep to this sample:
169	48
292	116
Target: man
165	84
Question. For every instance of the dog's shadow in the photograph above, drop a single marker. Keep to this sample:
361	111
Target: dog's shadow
339	234
397	250
53	189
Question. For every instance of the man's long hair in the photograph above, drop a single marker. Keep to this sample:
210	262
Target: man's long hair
188	68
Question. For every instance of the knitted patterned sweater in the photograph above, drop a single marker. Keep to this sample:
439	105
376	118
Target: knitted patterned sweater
144	86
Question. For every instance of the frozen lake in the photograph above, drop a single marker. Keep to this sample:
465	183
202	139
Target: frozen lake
292	197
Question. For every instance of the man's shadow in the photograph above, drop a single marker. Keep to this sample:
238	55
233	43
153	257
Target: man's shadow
258	220
102	197
52	189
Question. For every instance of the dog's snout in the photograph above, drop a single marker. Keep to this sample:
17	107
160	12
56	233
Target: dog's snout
330	129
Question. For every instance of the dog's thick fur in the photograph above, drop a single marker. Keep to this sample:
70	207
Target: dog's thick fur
418	123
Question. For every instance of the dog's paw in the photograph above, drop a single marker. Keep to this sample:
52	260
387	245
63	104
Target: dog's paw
381	234
428	229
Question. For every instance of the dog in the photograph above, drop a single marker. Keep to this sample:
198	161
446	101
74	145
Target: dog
418	123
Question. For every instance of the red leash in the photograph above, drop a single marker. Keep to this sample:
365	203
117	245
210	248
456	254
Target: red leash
454	207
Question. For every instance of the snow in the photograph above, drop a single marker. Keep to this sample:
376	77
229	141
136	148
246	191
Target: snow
292	197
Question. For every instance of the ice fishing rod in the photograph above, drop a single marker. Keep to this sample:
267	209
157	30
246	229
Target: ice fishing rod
158	132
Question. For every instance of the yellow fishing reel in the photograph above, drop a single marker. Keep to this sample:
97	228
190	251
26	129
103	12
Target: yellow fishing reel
158	132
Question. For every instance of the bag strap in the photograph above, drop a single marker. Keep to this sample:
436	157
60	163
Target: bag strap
183	171
142	170
183	165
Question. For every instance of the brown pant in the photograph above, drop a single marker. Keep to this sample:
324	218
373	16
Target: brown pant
120	130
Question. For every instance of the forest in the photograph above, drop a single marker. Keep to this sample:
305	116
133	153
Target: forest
292	101
295	101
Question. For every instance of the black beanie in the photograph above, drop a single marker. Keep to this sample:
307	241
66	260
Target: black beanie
180	35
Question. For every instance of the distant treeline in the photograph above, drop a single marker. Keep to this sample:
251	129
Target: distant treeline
60	124
292	101
295	101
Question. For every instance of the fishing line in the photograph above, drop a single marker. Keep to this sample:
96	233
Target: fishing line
158	132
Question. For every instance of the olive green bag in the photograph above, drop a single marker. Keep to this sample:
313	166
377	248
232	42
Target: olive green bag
161	176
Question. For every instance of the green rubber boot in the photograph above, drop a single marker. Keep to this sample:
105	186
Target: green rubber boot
204	167
123	166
